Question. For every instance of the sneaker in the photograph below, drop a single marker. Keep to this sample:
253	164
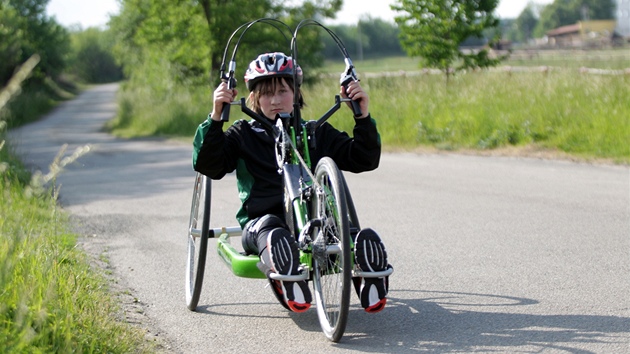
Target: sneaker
369	251
370	256
293	295
372	292
285	259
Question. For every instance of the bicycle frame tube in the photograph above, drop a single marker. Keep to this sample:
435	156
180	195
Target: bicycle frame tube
295	184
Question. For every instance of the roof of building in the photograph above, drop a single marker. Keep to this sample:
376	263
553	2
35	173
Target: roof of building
575	28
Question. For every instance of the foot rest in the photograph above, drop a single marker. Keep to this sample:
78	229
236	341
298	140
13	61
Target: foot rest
297	277
384	273
239	264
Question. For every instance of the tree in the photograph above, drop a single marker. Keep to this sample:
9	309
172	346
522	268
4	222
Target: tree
378	38
11	37
161	38
26	30
91	57
567	12
525	23
186	38
347	34
435	29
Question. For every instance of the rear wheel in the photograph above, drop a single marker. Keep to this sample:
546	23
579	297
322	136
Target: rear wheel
331	250
198	229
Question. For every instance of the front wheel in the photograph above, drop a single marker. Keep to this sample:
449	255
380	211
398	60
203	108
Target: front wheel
331	250
198	229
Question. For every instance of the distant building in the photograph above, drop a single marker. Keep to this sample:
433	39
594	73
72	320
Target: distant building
582	34
623	18
565	36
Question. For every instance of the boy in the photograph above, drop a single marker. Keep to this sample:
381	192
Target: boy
247	148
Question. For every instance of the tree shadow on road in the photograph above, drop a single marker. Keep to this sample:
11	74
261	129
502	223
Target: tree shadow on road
439	321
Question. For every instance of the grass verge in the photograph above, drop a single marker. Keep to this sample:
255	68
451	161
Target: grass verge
556	109
583	115
51	299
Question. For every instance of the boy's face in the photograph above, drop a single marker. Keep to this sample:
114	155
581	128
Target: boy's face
276	99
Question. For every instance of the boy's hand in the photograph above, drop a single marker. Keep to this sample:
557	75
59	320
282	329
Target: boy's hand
222	95
355	92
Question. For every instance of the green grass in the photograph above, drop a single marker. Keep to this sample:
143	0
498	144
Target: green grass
35	100
600	59
374	65
51	300
146	111
615	59
583	115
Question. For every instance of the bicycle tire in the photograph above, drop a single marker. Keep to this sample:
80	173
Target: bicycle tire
331	272
352	211
198	239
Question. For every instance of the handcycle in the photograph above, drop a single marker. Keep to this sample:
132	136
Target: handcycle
318	207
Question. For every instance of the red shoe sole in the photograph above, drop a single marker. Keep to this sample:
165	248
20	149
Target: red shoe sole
377	307
298	307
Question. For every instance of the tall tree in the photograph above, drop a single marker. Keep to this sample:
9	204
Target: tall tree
25	30
379	37
91	57
11	37
525	23
435	29
187	38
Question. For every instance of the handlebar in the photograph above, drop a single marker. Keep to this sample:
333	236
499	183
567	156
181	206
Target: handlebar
270	127
346	78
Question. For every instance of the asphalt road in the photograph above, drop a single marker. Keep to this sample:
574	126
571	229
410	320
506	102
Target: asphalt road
491	254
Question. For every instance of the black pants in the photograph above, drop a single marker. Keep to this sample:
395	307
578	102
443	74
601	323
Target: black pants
255	235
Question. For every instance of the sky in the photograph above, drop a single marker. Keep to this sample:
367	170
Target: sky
95	13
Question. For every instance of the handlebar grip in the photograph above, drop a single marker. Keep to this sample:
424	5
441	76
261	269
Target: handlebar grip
225	113
356	107
231	83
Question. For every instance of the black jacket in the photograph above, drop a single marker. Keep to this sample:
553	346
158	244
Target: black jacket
249	149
